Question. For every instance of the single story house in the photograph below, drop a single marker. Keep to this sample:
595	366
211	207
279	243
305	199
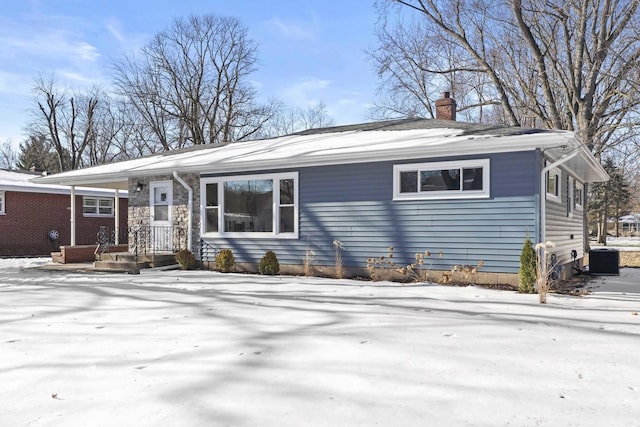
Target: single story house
630	224
464	192
35	217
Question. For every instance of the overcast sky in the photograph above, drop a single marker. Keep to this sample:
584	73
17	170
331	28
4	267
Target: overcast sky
309	51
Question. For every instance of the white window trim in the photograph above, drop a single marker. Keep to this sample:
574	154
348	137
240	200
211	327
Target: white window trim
447	194
276	206
98	214
579	186
570	196
2	203
552	196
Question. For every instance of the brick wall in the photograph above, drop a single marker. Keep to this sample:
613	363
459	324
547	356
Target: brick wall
29	217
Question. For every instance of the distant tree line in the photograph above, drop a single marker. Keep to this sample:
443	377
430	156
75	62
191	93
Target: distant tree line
190	85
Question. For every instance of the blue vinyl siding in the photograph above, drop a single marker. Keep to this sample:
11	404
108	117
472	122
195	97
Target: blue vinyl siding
353	203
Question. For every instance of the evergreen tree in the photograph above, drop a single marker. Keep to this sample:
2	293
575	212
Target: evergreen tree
37	153
527	272
608	199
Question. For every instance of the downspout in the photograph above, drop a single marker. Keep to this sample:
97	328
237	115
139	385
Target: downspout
543	191
73	215
116	226
189	207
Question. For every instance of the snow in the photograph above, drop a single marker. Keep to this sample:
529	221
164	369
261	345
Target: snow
203	348
619	243
320	149
21	181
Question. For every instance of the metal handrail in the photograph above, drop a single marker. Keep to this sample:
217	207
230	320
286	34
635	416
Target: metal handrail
206	249
105	238
153	239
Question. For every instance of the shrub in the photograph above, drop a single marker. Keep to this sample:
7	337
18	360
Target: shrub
543	269
186	259
225	261
337	244
308	262
462	274
269	264
384	267
527	272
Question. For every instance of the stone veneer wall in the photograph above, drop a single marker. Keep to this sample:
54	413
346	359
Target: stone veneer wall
139	213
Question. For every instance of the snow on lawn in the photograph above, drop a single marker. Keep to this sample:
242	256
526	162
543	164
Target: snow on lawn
172	348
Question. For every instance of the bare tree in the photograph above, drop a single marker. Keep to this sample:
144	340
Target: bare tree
8	156
65	119
191	85
563	64
286	120
315	116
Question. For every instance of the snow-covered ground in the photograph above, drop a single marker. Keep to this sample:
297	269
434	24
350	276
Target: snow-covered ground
172	348
620	243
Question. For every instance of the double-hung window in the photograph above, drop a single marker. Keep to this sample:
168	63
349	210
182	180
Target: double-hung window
2	212
578	195
97	206
553	184
442	180
250	206
571	188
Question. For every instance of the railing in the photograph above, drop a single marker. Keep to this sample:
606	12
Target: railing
152	239
106	237
208	252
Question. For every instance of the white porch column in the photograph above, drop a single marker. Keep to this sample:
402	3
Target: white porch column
117	218
73	215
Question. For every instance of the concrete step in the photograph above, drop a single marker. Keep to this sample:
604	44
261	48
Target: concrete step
57	257
119	266
154	260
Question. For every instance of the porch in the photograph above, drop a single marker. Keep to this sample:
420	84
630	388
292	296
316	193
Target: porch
148	246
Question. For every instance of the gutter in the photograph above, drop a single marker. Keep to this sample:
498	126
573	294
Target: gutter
189	207
543	190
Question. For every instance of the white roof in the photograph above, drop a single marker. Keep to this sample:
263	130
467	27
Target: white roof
325	147
630	218
22	182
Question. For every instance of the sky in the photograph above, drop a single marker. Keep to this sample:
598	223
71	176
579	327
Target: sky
309	51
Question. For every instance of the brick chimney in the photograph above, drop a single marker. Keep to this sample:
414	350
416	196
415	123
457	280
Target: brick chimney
446	108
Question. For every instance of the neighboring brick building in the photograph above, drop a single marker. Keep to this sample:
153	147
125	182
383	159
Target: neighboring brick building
32	215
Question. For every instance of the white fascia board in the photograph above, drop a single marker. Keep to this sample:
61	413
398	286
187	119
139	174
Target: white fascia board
80	191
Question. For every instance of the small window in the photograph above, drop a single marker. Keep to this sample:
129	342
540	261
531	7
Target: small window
95	206
211	208
287	204
553	184
2	203
461	179
578	194
571	187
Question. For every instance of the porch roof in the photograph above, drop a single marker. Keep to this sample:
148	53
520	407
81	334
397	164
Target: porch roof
368	142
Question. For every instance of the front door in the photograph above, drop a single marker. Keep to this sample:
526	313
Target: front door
160	201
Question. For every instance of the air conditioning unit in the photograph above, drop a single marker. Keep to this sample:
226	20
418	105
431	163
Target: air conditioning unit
604	261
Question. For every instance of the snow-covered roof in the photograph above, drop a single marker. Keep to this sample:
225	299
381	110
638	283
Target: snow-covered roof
368	142
632	218
20	181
